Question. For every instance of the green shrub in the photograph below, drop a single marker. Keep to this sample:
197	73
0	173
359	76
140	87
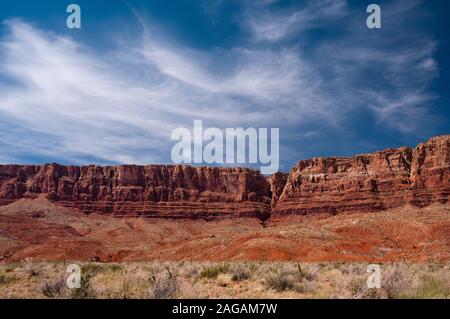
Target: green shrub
7	279
280	280
214	271
114	268
240	274
54	289
85	291
433	287
91	269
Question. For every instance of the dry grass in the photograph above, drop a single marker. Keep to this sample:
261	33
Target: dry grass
55	288
163	286
224	280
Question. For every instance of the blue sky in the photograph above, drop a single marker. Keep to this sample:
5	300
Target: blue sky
113	91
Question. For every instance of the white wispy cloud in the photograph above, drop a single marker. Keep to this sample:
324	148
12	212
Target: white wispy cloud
61	99
89	106
390	72
68	95
267	24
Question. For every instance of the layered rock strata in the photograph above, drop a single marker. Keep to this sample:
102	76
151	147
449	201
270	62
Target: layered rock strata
163	191
362	183
369	182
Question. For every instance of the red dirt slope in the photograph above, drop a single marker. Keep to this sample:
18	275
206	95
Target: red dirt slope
39	230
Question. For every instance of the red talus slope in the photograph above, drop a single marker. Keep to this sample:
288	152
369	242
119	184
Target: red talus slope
369	182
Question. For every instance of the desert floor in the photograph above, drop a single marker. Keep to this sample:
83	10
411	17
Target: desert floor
224	280
319	256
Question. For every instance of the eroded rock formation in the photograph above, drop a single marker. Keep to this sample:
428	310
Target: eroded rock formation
362	183
152	191
369	182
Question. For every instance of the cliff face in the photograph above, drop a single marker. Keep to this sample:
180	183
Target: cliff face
152	191
277	182
368	182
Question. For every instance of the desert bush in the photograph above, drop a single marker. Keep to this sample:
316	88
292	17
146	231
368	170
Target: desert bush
433	287
114	268
262	270
85	291
253	266
187	289
279	280
359	290
55	288
31	270
10	268
190	270
321	265
240	272
88	271
91	269
134	284
214	271
224	280
287	278
127	288
163	287
395	280
306	274
353	269
7	279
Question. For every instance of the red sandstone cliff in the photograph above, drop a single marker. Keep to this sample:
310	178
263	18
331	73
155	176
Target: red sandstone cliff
368	182
151	191
277	182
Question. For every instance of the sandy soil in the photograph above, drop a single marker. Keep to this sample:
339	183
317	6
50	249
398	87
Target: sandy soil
37	230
